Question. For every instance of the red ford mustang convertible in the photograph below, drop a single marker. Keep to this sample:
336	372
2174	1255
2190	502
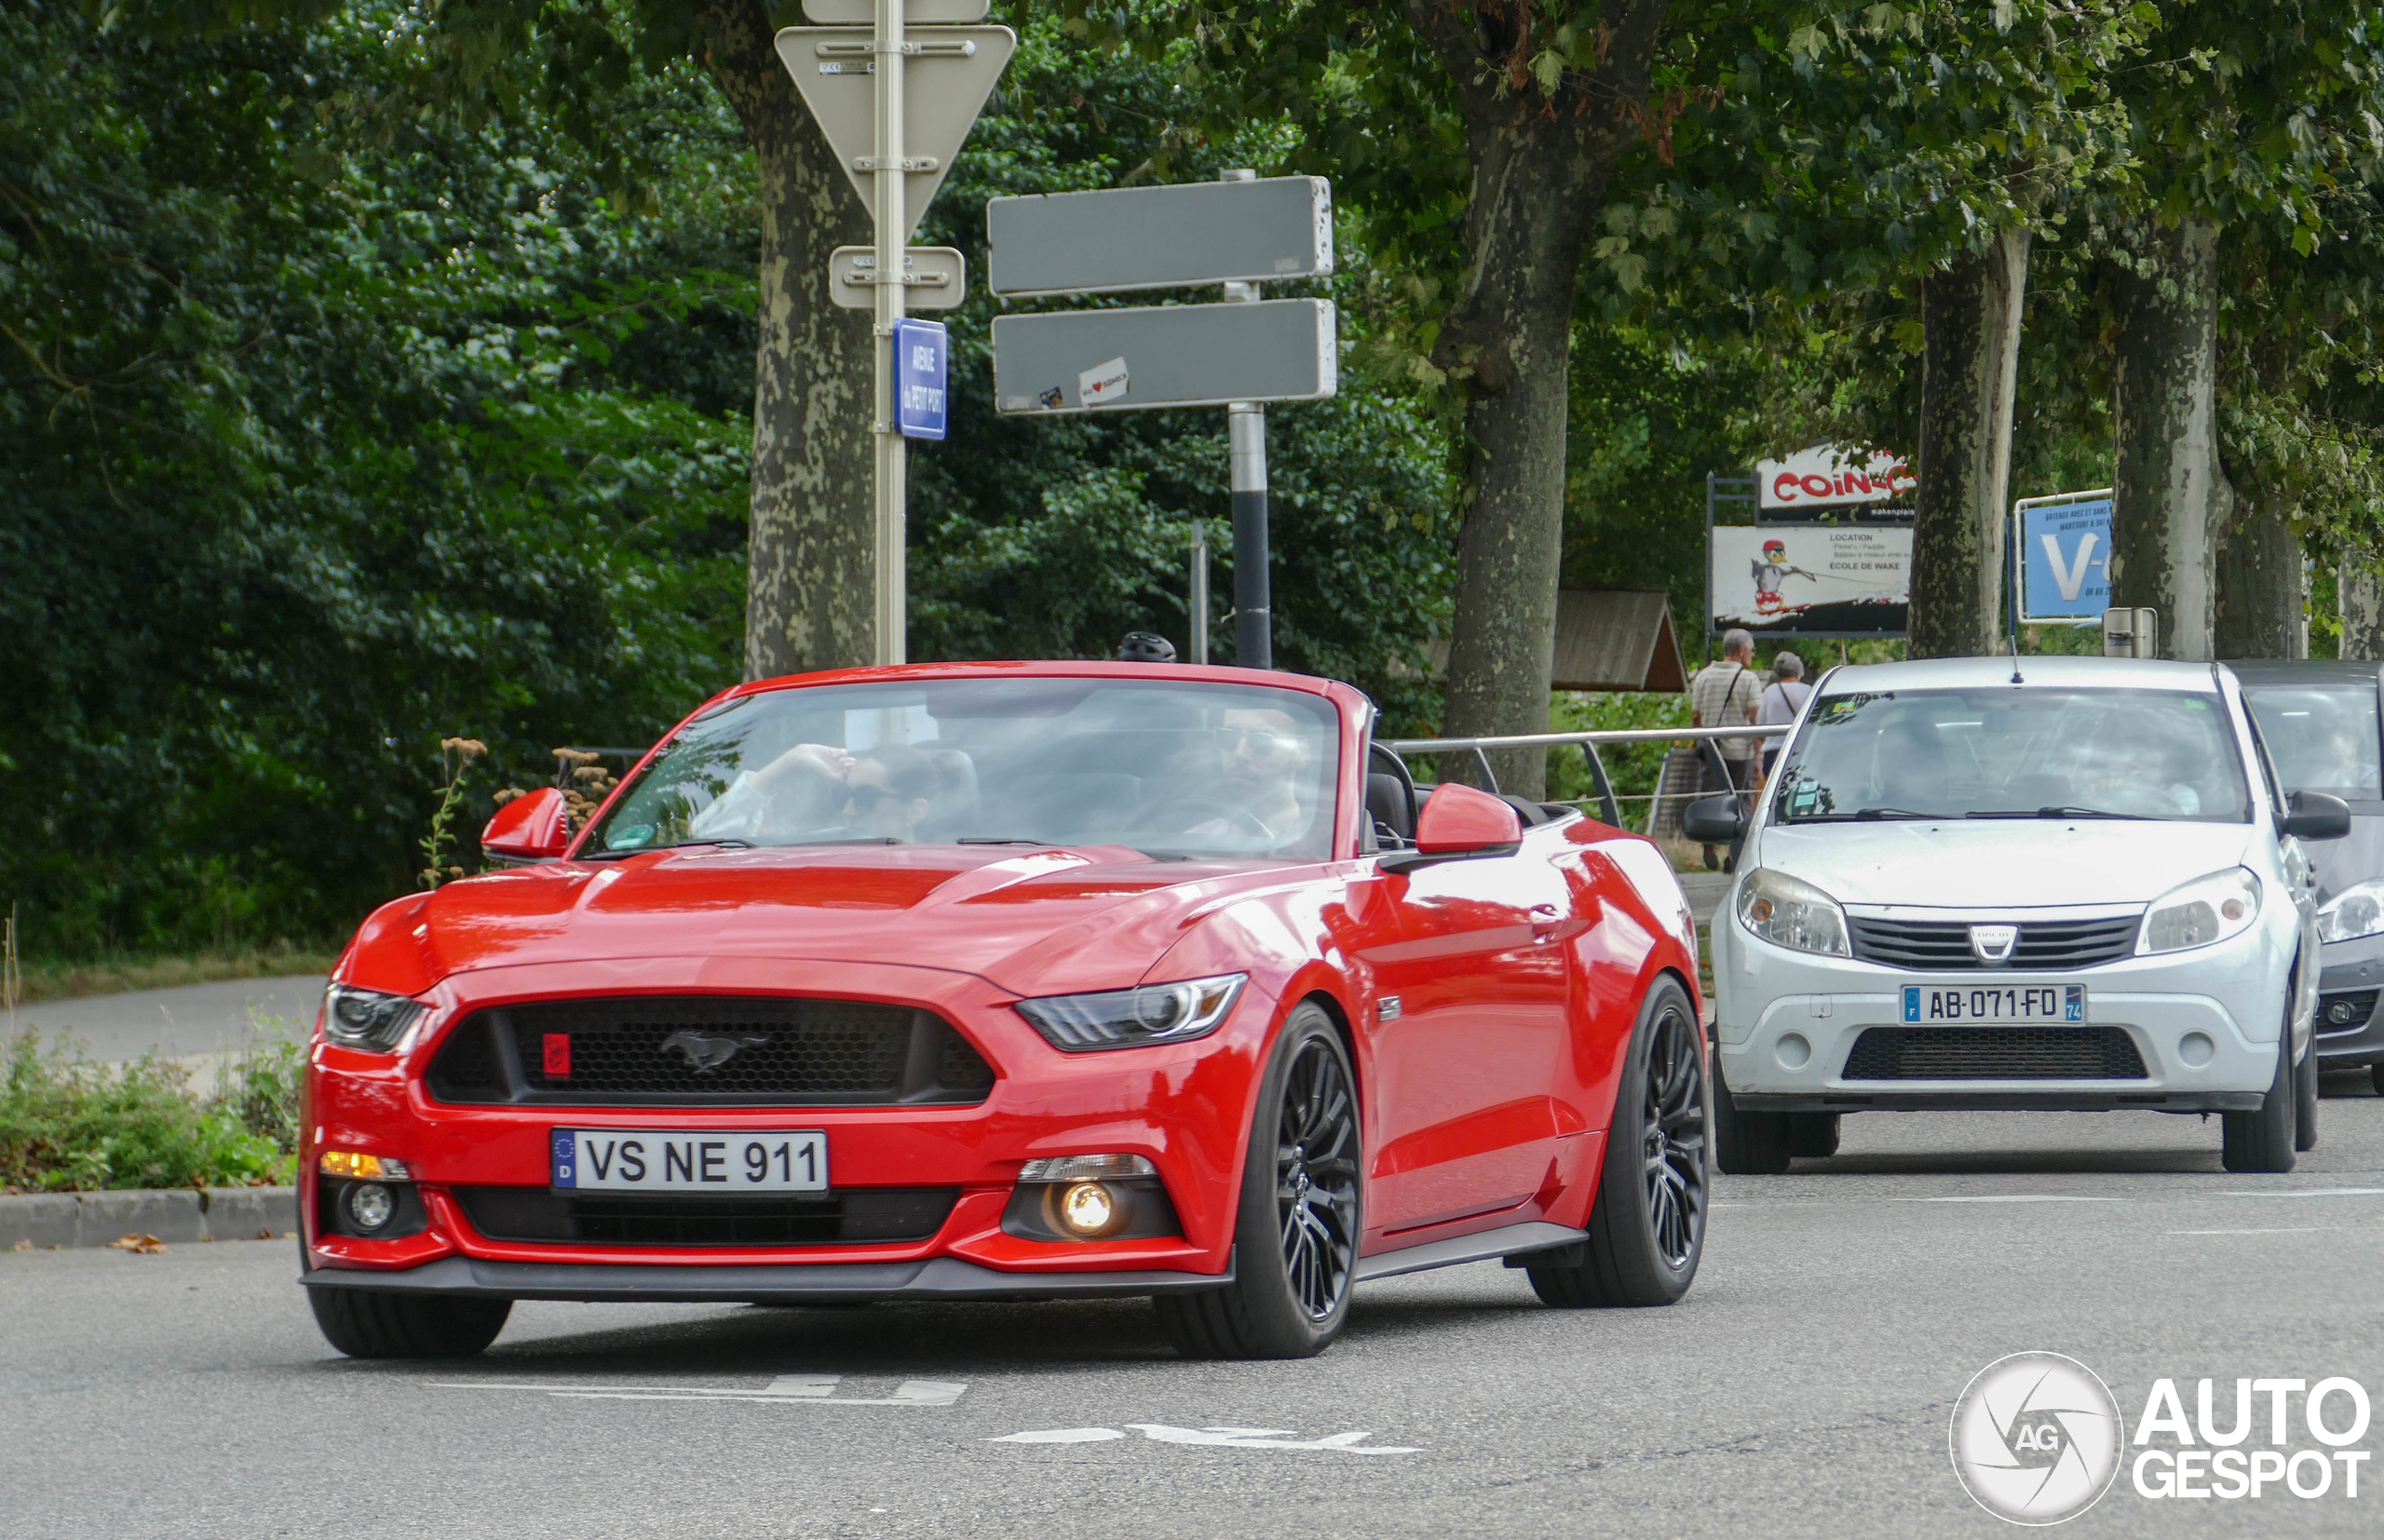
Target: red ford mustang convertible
1012	981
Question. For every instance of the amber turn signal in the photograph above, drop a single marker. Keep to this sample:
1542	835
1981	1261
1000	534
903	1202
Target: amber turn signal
356	1165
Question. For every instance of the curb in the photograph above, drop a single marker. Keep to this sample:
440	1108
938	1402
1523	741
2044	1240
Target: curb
53	1221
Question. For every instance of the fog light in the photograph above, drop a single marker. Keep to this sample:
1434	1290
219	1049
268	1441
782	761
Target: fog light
2339	1012
371	1206
356	1165
1090	1209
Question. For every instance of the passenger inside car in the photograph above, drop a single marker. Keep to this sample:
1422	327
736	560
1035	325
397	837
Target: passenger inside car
881	793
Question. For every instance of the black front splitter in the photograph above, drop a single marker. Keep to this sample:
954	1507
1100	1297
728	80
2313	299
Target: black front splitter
822	1283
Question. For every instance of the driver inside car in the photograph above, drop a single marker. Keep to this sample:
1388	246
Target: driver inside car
881	793
1264	756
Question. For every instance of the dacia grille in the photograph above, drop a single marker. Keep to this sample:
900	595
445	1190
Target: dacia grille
2043	945
708	1051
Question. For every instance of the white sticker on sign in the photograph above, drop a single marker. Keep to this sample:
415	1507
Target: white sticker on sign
1102	383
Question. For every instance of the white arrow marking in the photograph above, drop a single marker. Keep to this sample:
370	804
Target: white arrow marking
1217	1437
1060	1436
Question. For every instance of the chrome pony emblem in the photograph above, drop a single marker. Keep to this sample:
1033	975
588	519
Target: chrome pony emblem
706	1051
1994	943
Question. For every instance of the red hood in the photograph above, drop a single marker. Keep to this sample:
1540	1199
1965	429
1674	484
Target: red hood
1033	922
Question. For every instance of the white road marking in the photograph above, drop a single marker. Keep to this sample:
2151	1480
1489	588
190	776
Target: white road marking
1218	1437
2011	1197
786	1390
2300	1230
2313	1191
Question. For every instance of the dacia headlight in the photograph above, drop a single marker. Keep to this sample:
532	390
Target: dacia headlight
2203	913
1134	1017
1793	914
2357	910
367	1019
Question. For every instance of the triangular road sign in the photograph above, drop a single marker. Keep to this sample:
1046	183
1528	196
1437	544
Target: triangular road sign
944	86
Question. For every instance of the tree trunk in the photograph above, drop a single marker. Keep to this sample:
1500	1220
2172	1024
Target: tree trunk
1970	319
2167	506
811	592
2260	587
1539	161
2362	595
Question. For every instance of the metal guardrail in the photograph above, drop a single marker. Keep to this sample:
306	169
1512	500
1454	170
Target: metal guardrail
1608	803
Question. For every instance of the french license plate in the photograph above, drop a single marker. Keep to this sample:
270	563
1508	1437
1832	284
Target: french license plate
2028	1004
654	1160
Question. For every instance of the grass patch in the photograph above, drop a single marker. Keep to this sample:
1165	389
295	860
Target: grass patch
50	980
68	1124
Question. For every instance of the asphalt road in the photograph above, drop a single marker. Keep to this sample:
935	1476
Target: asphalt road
1803	1388
179	1023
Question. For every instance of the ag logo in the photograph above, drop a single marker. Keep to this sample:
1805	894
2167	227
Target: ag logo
2036	1438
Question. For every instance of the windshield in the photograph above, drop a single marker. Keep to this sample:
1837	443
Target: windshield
1171	769
2322	736
2007	752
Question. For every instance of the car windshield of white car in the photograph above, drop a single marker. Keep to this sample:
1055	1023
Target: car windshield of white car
1171	769
2006	752
2322	736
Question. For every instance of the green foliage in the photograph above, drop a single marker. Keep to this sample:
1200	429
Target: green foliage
67	1124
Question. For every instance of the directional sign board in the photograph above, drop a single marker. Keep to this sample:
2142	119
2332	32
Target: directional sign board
915	13
945	84
921	398
1160	237
1168	356
2062	546
938	277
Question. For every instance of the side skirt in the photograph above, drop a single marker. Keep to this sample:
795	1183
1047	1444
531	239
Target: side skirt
1481	1247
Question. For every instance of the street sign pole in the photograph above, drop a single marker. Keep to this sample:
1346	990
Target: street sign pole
1253	638
892	233
1197	606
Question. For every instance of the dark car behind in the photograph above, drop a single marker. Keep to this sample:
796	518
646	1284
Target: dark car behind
2321	722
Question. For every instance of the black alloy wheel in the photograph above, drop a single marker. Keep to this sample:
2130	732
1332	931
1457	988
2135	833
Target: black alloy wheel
1295	1237
1647	1230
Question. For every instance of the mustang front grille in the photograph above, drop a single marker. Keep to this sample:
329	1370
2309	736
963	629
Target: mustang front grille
2044	945
1994	1053
708	1051
855	1217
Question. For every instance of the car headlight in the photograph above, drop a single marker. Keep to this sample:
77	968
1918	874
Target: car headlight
367	1019
1793	914
1134	1017
2202	912
2356	910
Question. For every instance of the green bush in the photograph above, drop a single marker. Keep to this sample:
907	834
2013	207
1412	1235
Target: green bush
68	1124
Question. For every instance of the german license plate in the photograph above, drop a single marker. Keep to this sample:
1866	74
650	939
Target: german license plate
1989	1005
678	1160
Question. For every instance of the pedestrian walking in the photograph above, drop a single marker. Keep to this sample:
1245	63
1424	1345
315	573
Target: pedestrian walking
1779	705
1725	693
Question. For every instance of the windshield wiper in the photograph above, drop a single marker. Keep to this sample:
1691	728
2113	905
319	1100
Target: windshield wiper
650	849
2062	810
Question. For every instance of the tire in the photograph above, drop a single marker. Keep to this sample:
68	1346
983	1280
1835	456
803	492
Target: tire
370	1324
2375	1077
1746	1143
1648	1228
1812	1136
2262	1140
2305	1098
1296	1228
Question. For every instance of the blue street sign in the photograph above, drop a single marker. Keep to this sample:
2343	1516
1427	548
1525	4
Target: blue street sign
2064	553
921	352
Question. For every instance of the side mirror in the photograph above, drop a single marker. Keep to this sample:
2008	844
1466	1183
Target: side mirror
533	826
1458	821
2315	815
1715	820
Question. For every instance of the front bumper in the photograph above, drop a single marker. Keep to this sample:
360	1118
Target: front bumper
2353	972
1185	1107
2204	1025
817	1283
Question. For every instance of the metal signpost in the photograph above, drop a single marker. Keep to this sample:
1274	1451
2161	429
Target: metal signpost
895	134
1237	232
